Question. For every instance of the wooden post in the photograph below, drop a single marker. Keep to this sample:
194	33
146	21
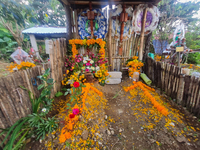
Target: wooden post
76	23
142	34
109	38
34	45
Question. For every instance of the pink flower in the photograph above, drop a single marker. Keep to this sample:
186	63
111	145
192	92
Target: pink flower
75	111
87	64
78	60
95	65
87	70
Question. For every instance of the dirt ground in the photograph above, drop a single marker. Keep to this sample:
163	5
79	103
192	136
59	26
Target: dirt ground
139	126
3	71
133	131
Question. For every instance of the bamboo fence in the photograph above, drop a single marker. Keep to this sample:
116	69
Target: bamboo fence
183	89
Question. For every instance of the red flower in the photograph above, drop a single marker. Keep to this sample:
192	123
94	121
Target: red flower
71	116
83	64
88	61
90	64
76	84
93	71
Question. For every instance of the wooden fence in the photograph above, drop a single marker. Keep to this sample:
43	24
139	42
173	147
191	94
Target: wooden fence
14	101
184	89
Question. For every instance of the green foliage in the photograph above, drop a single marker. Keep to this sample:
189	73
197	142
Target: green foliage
37	123
58	94
193	58
172	12
193	36
7	47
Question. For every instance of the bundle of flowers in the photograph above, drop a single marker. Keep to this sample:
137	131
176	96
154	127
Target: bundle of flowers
134	65
102	74
76	68
22	66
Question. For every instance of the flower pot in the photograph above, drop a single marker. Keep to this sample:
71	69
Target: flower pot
89	77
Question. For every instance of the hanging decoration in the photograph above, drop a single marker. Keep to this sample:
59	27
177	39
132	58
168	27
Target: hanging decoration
151	19
179	33
116	25
92	23
121	24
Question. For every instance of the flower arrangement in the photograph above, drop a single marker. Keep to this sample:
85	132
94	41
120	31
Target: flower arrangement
134	65
102	74
22	66
99	43
158	58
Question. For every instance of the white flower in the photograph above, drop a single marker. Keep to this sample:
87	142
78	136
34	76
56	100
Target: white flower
92	68
44	109
97	68
84	61
91	61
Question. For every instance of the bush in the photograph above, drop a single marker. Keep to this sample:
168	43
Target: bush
193	58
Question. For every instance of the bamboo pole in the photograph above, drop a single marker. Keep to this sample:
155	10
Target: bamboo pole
76	23
109	38
142	34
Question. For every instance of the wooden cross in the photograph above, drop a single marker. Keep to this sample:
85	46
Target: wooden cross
91	16
123	18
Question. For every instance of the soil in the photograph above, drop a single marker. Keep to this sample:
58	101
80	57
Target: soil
128	132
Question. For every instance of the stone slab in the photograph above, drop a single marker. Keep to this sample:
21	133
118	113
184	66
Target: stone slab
113	81
115	75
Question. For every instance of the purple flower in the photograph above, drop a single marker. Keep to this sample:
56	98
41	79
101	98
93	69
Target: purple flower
75	111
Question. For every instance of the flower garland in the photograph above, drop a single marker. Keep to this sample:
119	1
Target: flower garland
144	88
89	42
73	118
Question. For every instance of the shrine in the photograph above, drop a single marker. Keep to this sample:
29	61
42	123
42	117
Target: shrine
125	25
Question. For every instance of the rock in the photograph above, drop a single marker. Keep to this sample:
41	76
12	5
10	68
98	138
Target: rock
152	140
113	81
85	134
115	75
106	117
120	130
172	124
123	136
108	132
99	135
112	132
40	140
181	139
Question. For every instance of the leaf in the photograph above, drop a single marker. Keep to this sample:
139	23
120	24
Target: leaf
58	94
50	80
64	89
40	86
47	71
66	93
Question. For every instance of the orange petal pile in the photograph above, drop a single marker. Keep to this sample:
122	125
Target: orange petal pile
144	88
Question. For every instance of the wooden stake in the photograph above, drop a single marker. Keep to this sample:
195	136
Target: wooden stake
142	34
109	38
